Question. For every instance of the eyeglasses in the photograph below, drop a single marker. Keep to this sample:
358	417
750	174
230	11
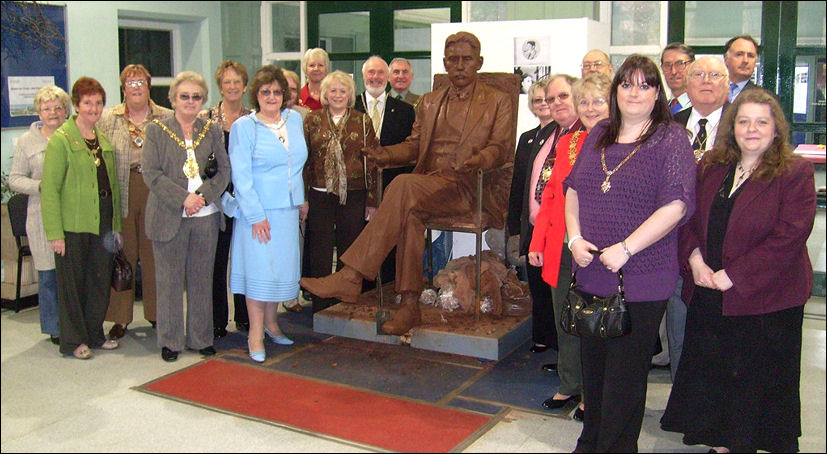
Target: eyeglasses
265	93
678	65
596	103
53	109
186	97
700	76
539	101
562	97
135	83
587	65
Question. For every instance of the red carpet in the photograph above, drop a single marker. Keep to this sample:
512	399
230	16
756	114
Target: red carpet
358	416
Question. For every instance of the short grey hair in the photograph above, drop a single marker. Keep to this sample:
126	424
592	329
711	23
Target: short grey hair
188	76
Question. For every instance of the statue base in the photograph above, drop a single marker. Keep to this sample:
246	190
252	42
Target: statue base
490	338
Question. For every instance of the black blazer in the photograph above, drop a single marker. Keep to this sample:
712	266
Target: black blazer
397	121
682	117
527	148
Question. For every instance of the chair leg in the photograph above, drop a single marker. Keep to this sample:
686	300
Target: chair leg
429	239
17	285
477	300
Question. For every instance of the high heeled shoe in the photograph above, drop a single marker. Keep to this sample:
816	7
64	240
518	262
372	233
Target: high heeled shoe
258	356
281	339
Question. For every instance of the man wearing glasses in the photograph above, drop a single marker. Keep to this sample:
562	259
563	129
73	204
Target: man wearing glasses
674	61
707	88
596	61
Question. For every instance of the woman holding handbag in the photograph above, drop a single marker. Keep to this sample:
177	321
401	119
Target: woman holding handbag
631	185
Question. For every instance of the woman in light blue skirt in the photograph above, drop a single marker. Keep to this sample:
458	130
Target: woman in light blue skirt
267	153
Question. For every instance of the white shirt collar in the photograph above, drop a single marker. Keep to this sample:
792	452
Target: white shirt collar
711	126
369	99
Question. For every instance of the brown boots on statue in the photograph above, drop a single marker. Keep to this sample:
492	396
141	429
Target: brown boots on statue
345	285
404	318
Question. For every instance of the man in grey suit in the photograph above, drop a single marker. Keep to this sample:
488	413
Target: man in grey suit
401	79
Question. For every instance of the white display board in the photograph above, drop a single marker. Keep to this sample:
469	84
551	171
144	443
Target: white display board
536	47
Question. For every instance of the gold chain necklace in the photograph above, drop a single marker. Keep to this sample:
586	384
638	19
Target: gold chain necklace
573	147
92	151
190	165
606	186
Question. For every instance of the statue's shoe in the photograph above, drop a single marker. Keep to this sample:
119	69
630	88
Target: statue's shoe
345	285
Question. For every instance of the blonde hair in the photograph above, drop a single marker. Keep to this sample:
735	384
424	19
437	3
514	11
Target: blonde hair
344	79
597	83
235	66
315	54
188	76
50	93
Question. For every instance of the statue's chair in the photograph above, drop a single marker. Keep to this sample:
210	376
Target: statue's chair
491	203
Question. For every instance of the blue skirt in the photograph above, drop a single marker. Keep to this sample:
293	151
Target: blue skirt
267	271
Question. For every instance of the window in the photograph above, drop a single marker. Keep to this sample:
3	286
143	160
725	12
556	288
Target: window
283	32
154	45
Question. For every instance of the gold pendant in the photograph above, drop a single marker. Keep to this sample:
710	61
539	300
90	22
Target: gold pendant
546	174
605	186
139	141
190	168
97	161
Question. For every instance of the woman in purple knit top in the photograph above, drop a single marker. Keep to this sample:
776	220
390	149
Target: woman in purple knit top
632	184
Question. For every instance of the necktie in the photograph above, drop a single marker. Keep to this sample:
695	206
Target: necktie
732	87
545	173
375	117
399	97
699	144
674	106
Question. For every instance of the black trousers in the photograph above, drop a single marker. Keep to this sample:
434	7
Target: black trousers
615	373
220	309
543	328
84	276
330	225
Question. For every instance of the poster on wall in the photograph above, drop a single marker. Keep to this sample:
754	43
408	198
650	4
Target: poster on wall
532	59
33	55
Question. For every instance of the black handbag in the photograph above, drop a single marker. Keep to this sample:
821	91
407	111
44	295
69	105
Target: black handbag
591	316
211	168
122	275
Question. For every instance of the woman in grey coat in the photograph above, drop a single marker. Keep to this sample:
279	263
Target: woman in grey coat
186	170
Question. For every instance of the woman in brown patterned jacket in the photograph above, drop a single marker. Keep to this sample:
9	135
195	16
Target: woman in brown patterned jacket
340	184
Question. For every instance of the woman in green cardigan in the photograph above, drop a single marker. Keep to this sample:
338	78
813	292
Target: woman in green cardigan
79	197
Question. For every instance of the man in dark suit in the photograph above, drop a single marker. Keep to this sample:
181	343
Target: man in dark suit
392	120
707	88
459	129
740	56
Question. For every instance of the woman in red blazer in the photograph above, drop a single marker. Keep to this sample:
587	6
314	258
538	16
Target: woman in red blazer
747	276
548	247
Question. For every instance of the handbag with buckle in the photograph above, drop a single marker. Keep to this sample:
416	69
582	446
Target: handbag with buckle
122	275
591	316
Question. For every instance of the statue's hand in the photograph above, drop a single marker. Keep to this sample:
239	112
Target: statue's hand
378	156
470	165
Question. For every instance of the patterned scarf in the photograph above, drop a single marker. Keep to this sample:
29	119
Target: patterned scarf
335	172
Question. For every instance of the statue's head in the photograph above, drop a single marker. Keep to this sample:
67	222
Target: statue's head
462	59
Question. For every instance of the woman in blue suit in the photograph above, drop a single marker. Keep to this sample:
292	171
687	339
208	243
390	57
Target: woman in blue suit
267	153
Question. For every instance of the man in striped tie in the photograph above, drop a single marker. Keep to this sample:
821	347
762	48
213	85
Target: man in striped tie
674	61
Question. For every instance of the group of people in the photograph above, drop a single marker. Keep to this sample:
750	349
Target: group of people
156	183
698	199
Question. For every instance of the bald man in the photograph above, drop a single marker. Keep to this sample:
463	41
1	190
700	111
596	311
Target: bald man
596	61
707	89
